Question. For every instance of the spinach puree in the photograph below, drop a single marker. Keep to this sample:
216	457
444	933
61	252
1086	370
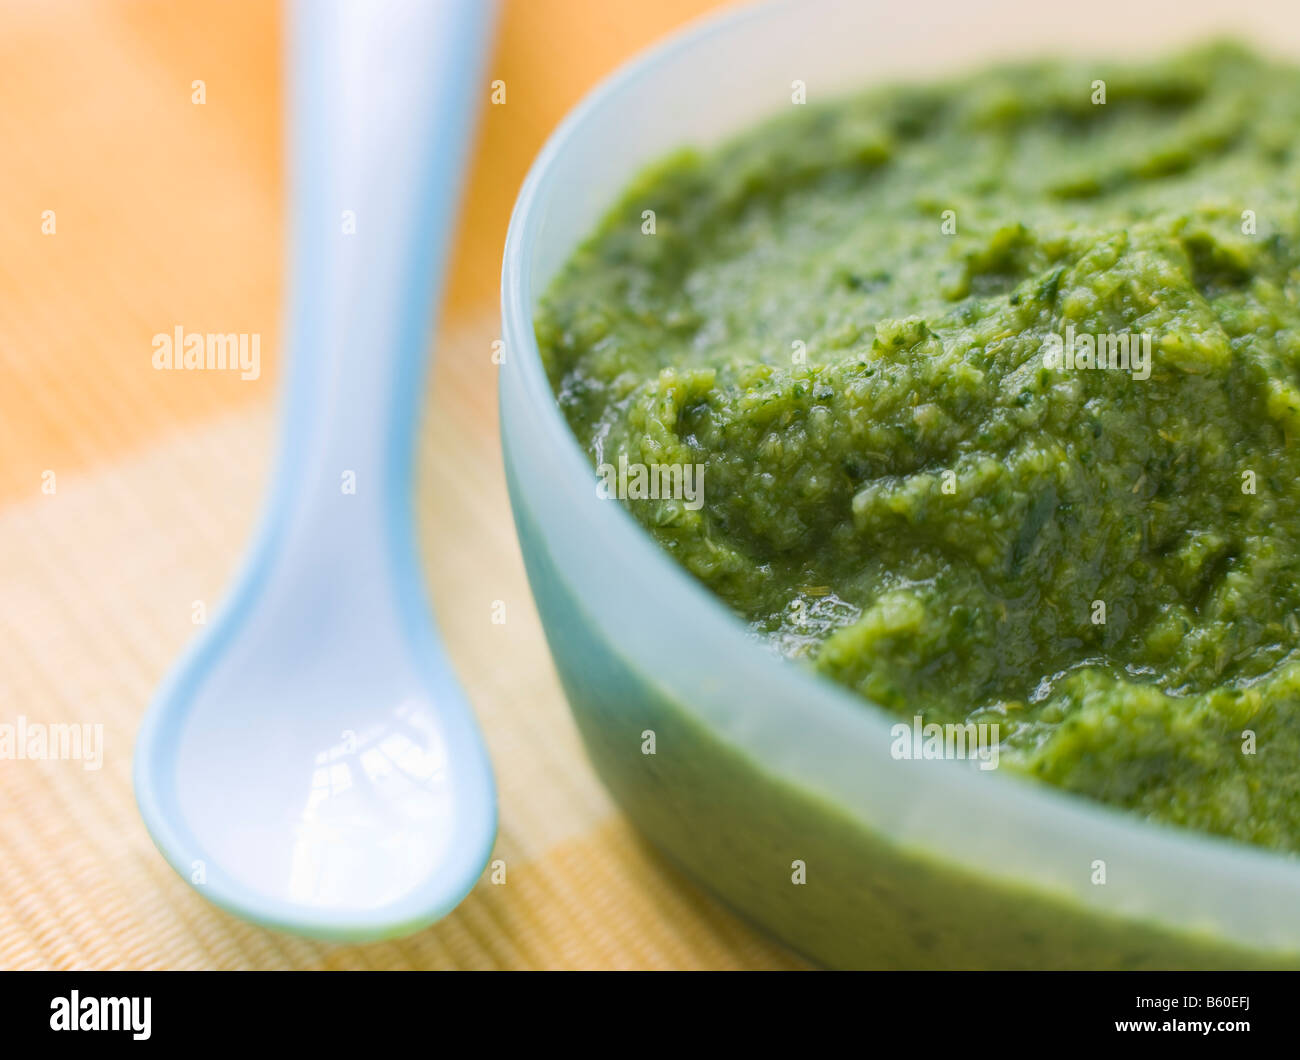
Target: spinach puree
846	317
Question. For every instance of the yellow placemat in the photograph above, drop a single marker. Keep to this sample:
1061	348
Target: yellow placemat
127	494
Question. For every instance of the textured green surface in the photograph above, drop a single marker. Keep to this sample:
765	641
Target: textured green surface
899	492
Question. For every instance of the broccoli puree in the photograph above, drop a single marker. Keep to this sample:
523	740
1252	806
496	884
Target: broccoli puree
846	316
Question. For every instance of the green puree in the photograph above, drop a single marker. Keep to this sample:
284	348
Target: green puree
901	491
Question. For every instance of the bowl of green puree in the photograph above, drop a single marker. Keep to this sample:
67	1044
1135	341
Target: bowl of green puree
899	418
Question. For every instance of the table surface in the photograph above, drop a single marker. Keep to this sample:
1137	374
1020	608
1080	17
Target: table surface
169	212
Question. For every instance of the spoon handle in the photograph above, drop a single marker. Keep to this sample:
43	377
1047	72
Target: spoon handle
382	96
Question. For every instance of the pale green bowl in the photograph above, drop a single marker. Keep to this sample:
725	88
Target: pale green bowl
760	767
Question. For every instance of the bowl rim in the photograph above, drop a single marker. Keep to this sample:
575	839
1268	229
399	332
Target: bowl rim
1271	875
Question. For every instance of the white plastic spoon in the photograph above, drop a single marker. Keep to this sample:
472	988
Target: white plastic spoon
312	764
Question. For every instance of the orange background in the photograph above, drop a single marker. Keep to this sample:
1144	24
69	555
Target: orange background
167	213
